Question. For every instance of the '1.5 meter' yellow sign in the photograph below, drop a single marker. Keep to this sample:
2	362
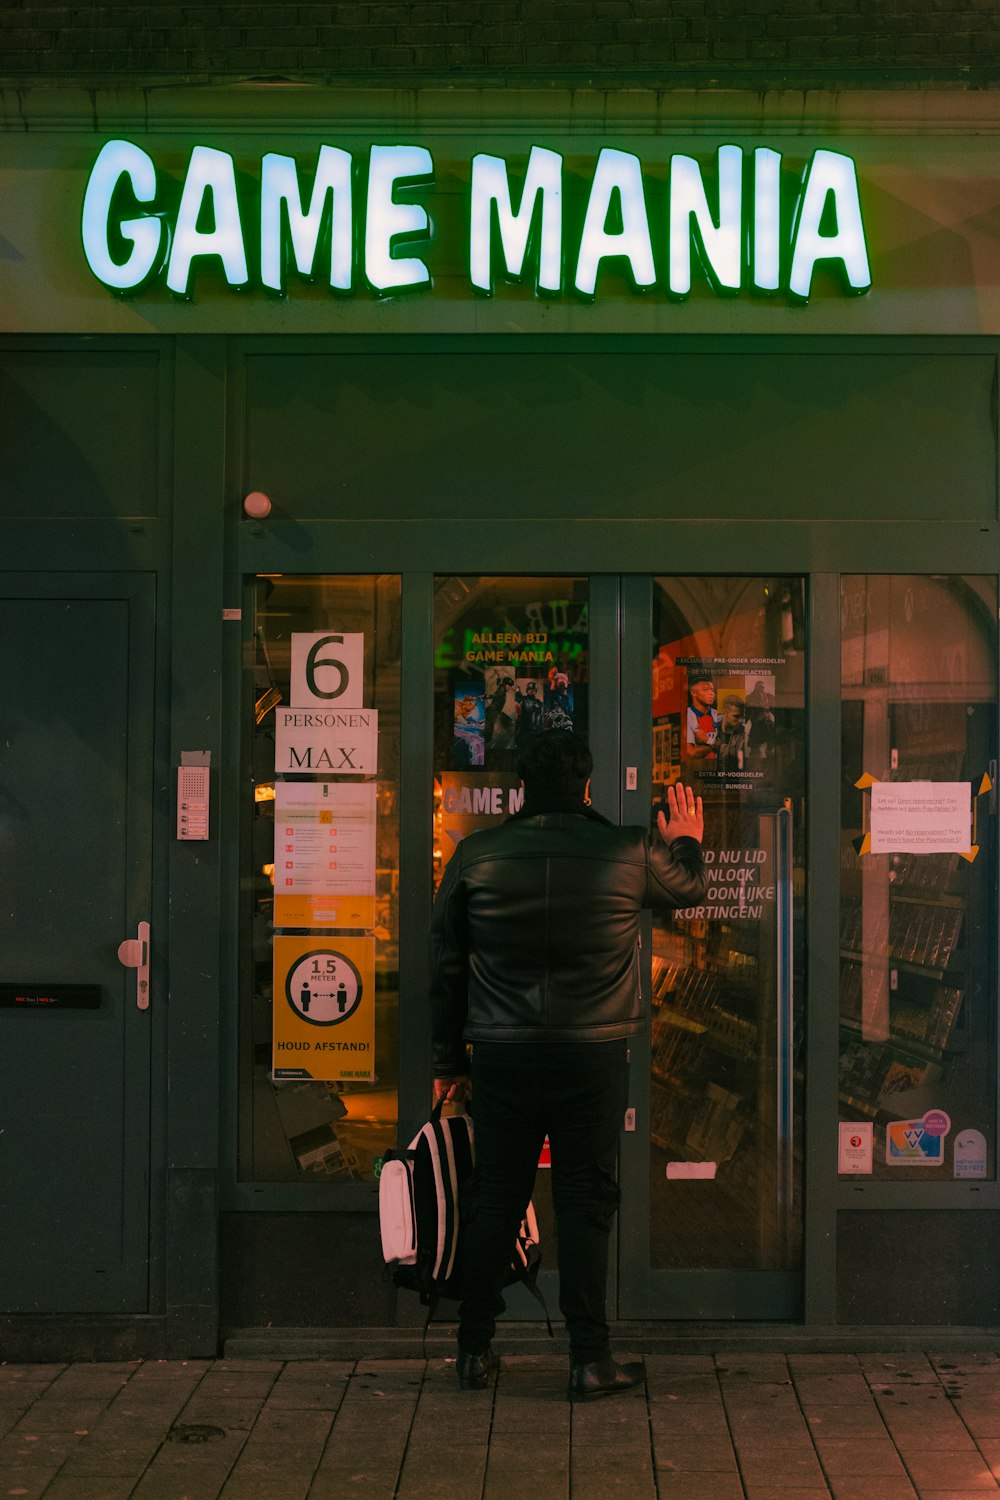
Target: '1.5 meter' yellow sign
324	1007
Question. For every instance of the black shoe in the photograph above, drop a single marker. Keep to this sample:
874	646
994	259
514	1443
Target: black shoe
603	1378
474	1370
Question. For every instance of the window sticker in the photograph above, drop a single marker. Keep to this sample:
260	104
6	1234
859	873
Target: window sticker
917	1143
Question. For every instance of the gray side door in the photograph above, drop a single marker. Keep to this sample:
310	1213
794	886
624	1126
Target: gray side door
76	741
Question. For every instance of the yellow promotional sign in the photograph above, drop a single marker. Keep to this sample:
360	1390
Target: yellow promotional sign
324	1007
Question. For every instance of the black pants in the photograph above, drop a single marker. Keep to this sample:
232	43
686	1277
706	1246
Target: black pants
576	1094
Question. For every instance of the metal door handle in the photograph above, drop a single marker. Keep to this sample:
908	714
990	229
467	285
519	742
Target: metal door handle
134	954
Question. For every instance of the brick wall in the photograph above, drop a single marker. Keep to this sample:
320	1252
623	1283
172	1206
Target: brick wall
805	43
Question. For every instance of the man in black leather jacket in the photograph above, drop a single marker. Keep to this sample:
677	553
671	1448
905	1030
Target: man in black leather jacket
535	960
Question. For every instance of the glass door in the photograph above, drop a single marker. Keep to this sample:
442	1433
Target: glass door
714	695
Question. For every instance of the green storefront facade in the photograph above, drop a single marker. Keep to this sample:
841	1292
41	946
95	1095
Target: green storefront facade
573	498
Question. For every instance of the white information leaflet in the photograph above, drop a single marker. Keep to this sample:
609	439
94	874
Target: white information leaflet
326	741
921	817
324	852
854	1156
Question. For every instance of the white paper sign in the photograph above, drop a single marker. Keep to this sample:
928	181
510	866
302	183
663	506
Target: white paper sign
854	1156
328	669
324	837
921	817
324	854
328	741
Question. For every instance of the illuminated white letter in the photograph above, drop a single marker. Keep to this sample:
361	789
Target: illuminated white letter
766	256
209	172
489	187
385	218
829	173
120	159
279	190
616	172
721	243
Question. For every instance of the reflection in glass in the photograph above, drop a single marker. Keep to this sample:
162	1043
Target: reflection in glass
302	1129
727	991
917	933
512	657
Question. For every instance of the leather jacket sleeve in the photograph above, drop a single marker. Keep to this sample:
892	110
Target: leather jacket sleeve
449	973
676	874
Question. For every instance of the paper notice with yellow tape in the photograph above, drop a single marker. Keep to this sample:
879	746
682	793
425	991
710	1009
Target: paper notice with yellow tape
324	854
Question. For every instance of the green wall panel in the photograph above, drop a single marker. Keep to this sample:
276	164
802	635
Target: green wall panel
79	434
615	434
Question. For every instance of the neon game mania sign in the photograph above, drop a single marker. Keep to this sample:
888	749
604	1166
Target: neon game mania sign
740	222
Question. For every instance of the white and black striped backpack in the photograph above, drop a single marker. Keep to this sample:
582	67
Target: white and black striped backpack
420	1215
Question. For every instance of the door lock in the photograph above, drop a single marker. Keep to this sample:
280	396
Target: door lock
133	953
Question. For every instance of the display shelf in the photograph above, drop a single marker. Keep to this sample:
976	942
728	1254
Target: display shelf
872	956
920	1051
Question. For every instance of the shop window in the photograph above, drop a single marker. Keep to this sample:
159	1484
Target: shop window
918	877
320	957
512	657
726	1083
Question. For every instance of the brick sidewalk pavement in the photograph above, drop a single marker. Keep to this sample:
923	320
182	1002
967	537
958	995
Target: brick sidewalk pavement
728	1427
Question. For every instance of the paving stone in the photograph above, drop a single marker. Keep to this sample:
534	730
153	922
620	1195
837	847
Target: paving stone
696	1386
45	1445
843	1456
26	1484
968	1363
307	1396
74	1488
552	1487
876	1488
29	1374
11	1414
990	1449
368	1479
866	1422
391	1367
823	1364
982	1418
782	1466
60	1416
700	1487
833	1389
694	1454
944	1469
248	1366
681	1363
228	1385
279	1458
683	1420
785	1492
889	1368
771	1369
232	1414
627	1481
90	1382
171	1369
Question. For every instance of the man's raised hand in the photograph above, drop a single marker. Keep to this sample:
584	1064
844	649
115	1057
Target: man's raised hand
686	820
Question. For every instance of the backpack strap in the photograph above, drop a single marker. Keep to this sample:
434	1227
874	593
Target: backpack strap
536	1292
432	1307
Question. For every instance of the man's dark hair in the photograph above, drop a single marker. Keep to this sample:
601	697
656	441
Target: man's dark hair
557	760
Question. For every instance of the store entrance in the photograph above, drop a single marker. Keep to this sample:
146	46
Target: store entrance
700	679
695	678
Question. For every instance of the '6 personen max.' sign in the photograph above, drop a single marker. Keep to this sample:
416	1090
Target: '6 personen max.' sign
741	219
